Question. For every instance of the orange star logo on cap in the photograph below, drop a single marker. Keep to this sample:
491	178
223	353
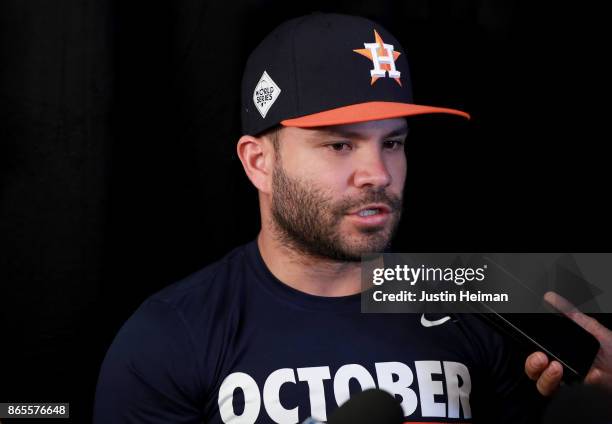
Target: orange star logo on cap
383	57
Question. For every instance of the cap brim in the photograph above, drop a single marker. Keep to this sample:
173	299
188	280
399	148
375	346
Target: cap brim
368	111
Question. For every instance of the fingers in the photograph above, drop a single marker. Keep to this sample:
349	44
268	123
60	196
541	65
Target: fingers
599	378
550	379
559	302
546	375
535	364
590	324
593	377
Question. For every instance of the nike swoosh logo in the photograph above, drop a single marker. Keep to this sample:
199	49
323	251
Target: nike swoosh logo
427	323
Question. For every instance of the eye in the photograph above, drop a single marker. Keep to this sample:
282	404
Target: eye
340	146
393	144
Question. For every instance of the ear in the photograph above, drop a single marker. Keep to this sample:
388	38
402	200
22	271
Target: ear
256	155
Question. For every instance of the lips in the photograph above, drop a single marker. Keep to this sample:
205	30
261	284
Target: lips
370	217
378	208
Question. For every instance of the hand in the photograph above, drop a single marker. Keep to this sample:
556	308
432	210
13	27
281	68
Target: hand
547	374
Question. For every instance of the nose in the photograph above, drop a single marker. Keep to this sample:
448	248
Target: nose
371	170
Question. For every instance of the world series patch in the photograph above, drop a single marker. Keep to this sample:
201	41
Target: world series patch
265	94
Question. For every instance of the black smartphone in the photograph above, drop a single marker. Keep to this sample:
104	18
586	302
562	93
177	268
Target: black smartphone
552	333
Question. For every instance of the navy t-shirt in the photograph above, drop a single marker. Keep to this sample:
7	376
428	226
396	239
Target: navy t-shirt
233	344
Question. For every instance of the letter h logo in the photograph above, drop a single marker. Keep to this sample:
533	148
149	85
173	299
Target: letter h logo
383	57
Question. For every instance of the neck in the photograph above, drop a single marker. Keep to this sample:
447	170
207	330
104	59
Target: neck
308	274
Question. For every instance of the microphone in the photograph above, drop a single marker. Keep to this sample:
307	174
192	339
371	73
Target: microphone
372	406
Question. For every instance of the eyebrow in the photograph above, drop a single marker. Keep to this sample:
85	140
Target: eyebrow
359	135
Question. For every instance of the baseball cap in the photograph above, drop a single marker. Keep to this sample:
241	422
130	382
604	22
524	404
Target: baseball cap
327	69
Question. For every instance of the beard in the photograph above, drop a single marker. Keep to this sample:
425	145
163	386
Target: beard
307	219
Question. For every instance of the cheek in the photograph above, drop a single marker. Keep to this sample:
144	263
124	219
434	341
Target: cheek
330	183
398	171
336	180
319	173
321	181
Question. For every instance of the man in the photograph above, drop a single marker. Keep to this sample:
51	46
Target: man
273	331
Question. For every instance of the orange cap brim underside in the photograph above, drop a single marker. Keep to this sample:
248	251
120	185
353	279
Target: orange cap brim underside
369	111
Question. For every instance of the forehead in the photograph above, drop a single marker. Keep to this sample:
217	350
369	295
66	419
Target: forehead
359	130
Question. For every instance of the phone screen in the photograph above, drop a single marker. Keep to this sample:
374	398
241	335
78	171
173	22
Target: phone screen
554	334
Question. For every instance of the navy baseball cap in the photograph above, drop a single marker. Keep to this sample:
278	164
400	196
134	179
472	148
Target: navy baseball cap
327	69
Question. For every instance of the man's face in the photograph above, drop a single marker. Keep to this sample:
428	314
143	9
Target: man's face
337	191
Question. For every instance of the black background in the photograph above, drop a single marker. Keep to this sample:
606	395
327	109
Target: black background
118	172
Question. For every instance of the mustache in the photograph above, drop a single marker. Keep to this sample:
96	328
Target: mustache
392	201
